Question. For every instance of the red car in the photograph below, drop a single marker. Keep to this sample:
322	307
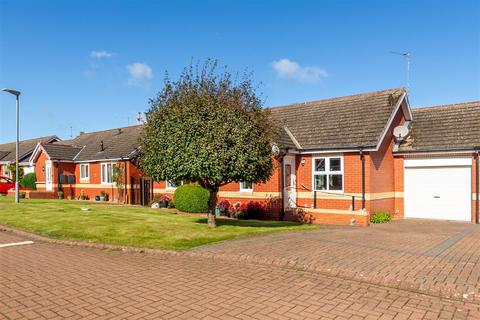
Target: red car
6	184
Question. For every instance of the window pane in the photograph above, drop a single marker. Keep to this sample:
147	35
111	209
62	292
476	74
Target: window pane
335	182
246	185
320	182
87	167
319	164
335	164
104	173
110	173
174	184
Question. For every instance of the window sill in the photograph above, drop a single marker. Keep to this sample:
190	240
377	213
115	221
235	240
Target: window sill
328	191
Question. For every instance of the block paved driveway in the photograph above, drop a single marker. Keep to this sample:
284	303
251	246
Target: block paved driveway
53	281
436	257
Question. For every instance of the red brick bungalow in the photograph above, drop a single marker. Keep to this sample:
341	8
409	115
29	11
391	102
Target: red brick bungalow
85	165
338	162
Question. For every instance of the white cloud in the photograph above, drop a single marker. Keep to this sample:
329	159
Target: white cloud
287	68
100	54
139	72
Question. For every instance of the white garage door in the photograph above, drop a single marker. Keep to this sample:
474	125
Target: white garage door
438	188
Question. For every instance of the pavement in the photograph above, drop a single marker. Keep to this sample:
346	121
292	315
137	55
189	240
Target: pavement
251	278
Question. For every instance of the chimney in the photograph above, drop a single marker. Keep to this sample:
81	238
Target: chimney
119	131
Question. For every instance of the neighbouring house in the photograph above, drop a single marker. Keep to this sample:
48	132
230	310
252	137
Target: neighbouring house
26	147
340	160
85	166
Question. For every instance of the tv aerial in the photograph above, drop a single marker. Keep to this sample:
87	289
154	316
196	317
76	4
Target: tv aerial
407	56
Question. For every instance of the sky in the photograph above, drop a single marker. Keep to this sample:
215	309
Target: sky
93	65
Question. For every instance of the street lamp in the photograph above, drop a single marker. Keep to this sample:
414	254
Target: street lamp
16	94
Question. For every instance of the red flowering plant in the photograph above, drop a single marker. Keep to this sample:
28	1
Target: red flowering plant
249	210
165	197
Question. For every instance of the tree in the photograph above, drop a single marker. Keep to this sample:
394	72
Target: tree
210	129
118	178
12	169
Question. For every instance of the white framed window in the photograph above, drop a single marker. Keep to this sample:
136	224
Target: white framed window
328	173
84	171
107	172
246	186
171	185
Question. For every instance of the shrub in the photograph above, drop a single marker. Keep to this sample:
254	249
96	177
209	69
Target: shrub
29	180
380	217
250	210
191	198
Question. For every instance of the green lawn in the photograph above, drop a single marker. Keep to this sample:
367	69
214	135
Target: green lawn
124	225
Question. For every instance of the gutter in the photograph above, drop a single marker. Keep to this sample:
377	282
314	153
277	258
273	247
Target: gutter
457	150
336	150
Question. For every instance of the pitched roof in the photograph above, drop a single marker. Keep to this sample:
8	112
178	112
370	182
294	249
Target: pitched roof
58	151
26	147
346	122
448	127
117	143
3	154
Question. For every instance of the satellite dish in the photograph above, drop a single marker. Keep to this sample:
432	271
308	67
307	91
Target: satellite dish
275	149
400	132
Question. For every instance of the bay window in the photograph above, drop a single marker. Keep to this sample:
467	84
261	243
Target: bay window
328	174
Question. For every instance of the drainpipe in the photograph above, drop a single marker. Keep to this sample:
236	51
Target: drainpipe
362	157
282	186
477	211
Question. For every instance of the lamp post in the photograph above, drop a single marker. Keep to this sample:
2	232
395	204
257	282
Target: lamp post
16	94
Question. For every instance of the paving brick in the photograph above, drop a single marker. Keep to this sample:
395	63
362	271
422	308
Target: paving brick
397	254
52	281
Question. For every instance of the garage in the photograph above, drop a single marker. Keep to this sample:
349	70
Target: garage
438	188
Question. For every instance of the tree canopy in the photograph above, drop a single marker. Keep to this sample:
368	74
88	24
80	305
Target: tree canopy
209	128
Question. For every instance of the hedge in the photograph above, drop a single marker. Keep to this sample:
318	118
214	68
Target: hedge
191	198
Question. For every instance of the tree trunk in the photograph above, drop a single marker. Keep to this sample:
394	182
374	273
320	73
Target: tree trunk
212	204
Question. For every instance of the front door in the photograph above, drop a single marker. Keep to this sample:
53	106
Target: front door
290	200
48	176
